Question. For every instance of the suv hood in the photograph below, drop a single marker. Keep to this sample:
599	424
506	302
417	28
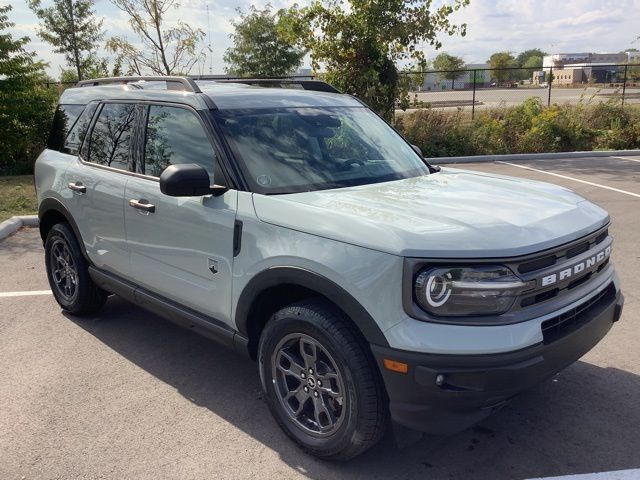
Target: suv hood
454	213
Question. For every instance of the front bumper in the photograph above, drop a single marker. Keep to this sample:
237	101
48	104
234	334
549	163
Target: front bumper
444	394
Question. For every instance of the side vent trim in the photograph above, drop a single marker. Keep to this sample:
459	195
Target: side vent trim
237	237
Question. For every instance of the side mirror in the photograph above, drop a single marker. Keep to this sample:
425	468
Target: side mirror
188	180
432	168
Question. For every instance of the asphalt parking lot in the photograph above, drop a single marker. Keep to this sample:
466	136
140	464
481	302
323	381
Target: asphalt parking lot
128	395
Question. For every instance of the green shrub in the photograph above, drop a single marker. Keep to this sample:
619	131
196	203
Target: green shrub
527	128
437	133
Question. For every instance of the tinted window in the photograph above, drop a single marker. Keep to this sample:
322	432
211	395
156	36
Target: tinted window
79	130
63	120
175	135
111	135
299	149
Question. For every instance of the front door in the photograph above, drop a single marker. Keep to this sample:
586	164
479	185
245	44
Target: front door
181	247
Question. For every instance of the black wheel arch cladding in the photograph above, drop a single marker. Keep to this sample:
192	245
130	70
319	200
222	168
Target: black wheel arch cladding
314	282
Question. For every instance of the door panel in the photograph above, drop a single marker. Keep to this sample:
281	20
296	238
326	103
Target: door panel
98	213
181	247
173	248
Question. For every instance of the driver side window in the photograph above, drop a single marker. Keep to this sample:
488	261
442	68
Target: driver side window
173	136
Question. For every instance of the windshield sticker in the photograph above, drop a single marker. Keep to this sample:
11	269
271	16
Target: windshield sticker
264	180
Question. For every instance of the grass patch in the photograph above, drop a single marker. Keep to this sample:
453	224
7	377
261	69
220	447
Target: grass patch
17	196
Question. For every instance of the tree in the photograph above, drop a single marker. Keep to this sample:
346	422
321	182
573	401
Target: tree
529	60
26	105
532	63
72	28
449	66
165	51
500	61
526	57
259	50
360	42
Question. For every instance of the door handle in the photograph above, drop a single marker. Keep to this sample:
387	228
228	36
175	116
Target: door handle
142	205
77	187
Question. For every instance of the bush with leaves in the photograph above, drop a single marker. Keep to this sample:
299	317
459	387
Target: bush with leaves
26	105
438	133
527	128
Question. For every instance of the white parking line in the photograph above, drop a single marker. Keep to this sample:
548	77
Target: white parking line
571	178
627	158
25	293
614	475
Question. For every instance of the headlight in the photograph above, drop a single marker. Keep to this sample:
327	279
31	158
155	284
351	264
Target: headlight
461	291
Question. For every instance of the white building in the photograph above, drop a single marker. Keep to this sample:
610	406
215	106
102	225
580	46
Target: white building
560	60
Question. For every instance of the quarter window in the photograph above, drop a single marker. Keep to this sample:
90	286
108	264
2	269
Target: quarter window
174	135
79	130
111	136
63	121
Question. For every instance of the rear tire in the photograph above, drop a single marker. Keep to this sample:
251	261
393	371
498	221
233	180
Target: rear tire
68	273
321	382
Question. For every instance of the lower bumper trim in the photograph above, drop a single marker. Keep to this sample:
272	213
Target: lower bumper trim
443	394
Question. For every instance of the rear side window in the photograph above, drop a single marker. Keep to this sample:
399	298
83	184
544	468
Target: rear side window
110	142
79	130
63	121
175	135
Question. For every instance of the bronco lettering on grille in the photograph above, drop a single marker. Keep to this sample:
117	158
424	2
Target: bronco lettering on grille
577	268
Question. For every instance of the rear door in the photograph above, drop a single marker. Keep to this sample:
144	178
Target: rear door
181	247
97	184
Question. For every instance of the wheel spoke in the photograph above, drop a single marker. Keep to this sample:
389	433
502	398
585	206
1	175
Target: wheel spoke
327	390
301	396
308	351
58	275
294	368
323	416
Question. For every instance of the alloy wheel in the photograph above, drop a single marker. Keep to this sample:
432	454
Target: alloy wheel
63	269
308	384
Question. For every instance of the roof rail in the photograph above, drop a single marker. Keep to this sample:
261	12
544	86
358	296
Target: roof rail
173	82
316	85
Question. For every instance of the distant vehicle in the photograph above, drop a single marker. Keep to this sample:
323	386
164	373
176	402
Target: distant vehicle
507	84
544	85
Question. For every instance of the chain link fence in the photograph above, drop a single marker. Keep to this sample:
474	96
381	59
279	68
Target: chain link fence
475	89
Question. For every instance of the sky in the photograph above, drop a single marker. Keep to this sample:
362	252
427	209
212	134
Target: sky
555	26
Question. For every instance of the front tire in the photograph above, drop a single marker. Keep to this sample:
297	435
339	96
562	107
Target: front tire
68	273
321	382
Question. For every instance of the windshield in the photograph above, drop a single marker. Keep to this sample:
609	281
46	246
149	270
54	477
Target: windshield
301	149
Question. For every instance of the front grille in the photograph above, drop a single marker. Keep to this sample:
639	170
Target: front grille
552	262
563	253
575	318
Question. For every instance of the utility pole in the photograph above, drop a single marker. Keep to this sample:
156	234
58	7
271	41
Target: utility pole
209	42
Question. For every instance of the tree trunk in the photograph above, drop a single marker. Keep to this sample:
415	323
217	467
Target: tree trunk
76	53
156	21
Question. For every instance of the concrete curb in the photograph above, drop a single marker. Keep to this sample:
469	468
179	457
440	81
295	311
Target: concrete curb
531	156
14	223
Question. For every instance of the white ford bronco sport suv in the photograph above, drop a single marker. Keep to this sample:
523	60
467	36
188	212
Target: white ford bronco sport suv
297	227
